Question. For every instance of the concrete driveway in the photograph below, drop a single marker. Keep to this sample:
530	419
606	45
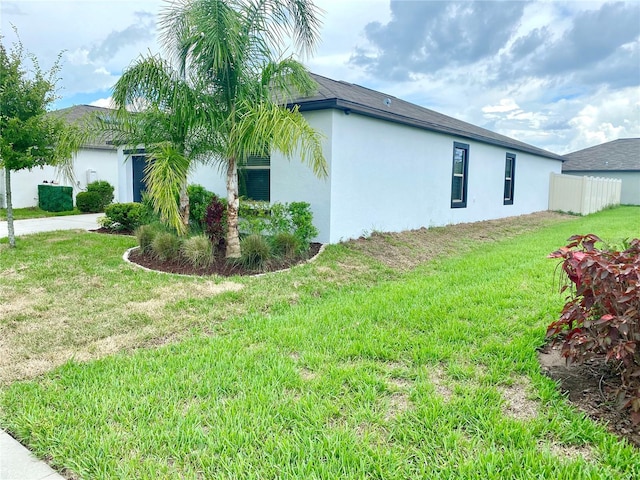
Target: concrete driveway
36	225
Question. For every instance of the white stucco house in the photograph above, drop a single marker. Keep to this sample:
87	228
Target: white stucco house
392	166
94	162
616	159
99	160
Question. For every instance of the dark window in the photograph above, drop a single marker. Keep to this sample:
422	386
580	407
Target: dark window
509	177
459	175
254	179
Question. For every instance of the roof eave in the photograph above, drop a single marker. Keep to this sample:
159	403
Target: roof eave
348	107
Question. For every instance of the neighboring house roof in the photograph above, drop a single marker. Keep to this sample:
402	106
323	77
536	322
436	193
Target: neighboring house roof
80	113
354	98
619	155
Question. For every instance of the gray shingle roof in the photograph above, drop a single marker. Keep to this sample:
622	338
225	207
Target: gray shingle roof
80	113
619	155
354	98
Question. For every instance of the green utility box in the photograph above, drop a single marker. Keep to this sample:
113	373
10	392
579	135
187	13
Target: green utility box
55	198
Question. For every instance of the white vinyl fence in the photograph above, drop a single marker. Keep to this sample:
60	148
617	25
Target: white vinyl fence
583	195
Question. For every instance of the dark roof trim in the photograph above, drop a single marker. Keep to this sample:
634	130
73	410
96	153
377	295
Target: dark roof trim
353	107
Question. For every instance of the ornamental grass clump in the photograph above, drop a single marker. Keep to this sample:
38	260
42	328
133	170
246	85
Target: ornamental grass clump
602	313
285	245
256	252
198	251
166	246
145	235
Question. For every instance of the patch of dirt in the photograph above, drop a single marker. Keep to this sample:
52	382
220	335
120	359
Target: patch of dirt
397	403
406	250
437	377
589	388
220	267
517	404
569	452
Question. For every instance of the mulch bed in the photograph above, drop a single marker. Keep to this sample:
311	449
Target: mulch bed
220	267
590	387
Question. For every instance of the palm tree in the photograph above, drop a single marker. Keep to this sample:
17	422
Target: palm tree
229	51
171	121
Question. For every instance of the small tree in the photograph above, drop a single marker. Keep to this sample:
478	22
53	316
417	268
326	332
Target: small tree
29	136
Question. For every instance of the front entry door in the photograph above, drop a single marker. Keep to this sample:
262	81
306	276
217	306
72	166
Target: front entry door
138	163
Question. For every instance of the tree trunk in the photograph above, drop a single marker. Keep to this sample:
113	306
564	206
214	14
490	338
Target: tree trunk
233	203
7	180
184	206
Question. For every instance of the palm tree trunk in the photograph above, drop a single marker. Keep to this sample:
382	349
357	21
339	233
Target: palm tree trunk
233	203
184	206
7	180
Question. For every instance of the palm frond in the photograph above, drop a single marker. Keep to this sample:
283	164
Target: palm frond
267	124
165	175
286	80
278	19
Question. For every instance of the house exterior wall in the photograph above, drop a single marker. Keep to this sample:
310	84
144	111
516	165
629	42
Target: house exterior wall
630	193
211	178
389	177
112	166
91	165
24	186
292	181
24	183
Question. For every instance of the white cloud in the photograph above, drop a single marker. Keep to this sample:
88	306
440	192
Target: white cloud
605	117
505	105
498	89
103	102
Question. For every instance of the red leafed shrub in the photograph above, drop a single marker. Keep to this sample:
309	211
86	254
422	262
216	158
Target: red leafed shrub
215	221
601	316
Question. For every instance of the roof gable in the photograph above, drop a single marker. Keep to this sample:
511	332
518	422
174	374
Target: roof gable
80	113
351	97
619	155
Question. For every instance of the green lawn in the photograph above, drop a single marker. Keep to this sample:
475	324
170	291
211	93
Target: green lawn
345	368
35	212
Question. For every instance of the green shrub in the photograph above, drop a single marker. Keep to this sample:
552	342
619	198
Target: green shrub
148	214
89	202
252	226
285	244
254	208
104	190
253	217
145	235
256	252
279	219
198	251
199	199
294	218
124	216
166	246
302	219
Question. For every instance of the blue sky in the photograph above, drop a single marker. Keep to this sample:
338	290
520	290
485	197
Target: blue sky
558	75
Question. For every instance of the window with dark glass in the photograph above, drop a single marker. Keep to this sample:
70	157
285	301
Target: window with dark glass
509	176
459	175
254	179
